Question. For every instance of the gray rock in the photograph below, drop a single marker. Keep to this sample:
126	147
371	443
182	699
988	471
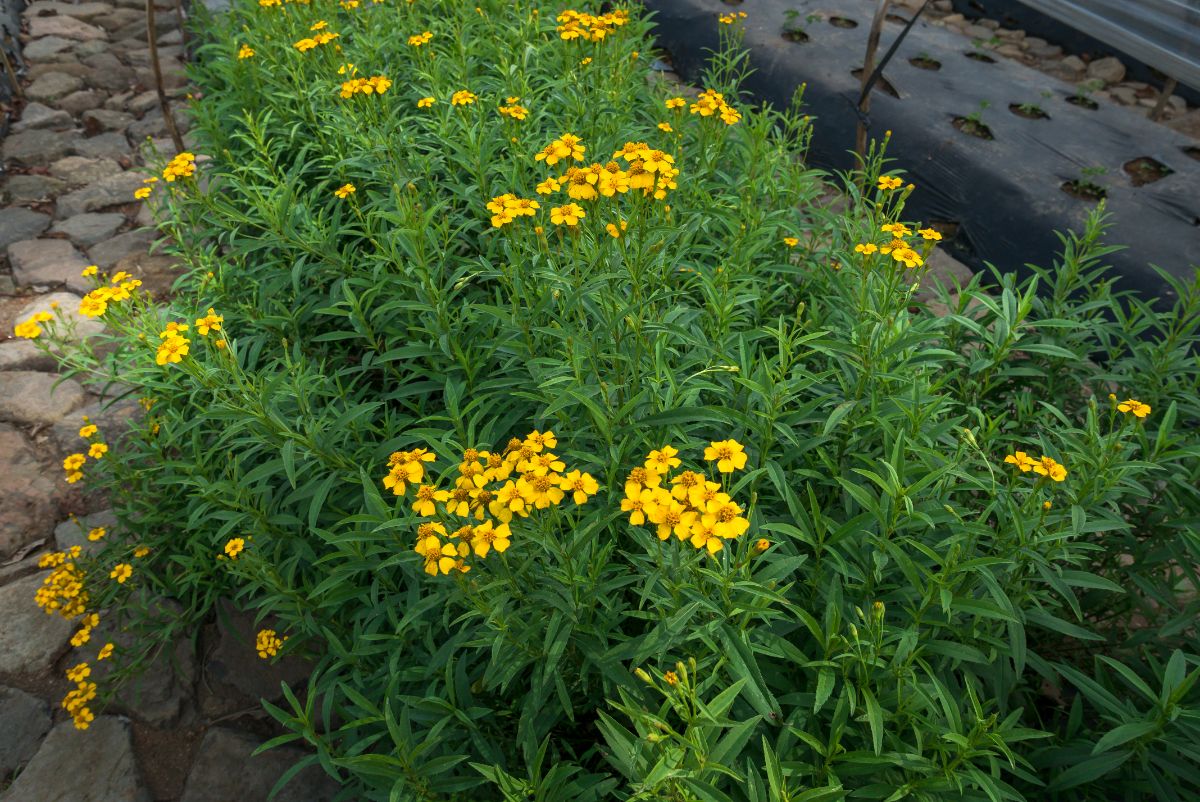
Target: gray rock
27	504
1010	35
943	5
96	765
118	102
70	67
74	532
17	224
85	230
1043	50
30	640
66	27
24	719
235	664
978	32
42	49
1074	63
31	148
98	120
108	253
160	693
47	262
83	11
108	191
1177	104
107	72
226	768
30	397
69	325
52	85
152	125
174	37
79	102
157	273
80	170
32	188
37	115
1110	70
24	355
140	104
114	418
111	145
172	72
1123	95
117	18
86	49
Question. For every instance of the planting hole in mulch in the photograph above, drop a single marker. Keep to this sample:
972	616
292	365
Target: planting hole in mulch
881	83
983	58
1145	170
1084	190
842	22
973	127
1028	111
1192	151
1083	102
925	63
795	35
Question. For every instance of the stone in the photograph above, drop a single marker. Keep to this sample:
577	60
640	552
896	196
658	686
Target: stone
66	27
32	188
31	397
52	85
108	191
111	251
32	148
1074	63
47	262
943	5
111	145
1010	35
233	662
226	768
1010	51
1177	104
70	67
93	765
69	324
174	37
30	640
1123	95
24	719
118	18
85	230
140	104
80	170
113	417
37	115
24	355
81	101
107	72
1109	69
92	48
157	273
26	507
978	32
42	49
172	72
1043	50
98	120
1186	124
118	101
74	532
152	126
18	224
954	19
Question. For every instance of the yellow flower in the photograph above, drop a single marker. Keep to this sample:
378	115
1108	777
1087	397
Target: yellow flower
172	349
488	536
662	461
463	97
791	242
91	270
267	643
1022	460
345	191
1136	407
889	182
79	673
548	186
141	551
210	322
615	230
245	52
908	256
567	146
420	39
96	533
569	215
665	127
930	234
234	547
866	248
121	572
87	430
105	652
141	193
676	103
761	545
1046	466
28	330
729	19
92	306
729	455
579	485
426	102
73	462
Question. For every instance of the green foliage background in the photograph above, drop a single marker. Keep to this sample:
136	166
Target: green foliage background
921	627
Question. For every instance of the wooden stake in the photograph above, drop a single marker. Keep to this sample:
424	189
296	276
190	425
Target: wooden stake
8	68
864	106
1163	96
152	40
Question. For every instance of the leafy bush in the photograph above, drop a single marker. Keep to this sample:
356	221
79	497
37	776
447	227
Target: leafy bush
908	613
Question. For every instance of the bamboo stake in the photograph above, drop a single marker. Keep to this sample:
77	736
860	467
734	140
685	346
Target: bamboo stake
1167	90
864	105
152	40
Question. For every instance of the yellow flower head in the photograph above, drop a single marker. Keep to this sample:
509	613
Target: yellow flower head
463	97
121	572
930	234
245	52
889	182
729	455
97	533
28	330
345	191
234	547
791	242
1137	408
568	215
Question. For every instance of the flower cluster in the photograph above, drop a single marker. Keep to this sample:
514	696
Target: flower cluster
508	207
712	103
29	329
898	247
589	27
513	110
345	191
62	590
313	42
420	39
504	485
730	18
687	505
75	702
141	193
96	302
1042	466
173	346
376	84
463	97
268	643
245	52
182	166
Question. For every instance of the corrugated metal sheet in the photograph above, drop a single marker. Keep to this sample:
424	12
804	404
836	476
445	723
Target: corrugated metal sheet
1162	33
